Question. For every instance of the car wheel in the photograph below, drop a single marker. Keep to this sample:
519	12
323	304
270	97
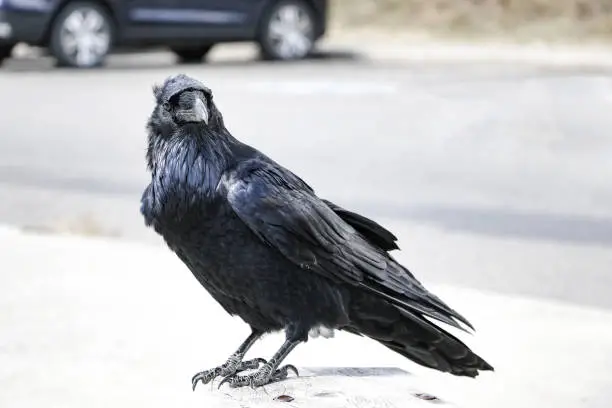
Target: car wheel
81	35
191	54
5	51
287	31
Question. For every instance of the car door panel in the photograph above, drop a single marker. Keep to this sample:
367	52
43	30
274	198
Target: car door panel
193	19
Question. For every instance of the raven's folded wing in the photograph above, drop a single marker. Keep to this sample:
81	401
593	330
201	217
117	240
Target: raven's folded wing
374	232
286	214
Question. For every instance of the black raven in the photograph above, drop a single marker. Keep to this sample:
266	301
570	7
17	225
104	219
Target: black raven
270	251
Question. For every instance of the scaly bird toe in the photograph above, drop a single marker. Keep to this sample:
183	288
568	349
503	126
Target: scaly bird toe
265	375
232	366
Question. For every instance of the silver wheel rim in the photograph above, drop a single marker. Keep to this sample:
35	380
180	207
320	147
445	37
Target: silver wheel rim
290	32
85	36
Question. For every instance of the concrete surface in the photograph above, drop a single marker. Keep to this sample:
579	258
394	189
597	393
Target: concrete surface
99	323
497	150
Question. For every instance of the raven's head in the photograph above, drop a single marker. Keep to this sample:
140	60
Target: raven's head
182	101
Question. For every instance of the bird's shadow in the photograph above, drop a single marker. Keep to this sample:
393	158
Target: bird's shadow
352	371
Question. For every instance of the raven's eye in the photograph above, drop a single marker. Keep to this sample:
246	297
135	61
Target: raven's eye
166	106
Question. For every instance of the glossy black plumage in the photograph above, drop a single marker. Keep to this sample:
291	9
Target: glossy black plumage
262	243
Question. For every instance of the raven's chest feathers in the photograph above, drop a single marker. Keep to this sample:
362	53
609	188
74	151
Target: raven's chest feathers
185	175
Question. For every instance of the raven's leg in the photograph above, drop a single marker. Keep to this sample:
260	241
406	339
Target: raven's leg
233	364
268	373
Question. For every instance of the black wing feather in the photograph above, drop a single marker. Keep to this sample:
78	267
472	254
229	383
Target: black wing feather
286	214
371	230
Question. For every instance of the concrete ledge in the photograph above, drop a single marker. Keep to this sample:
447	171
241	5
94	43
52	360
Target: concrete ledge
101	323
328	387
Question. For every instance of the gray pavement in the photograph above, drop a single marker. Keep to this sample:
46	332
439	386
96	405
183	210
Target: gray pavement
494	150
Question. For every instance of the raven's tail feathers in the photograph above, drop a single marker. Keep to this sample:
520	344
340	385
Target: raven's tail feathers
463	363
417	339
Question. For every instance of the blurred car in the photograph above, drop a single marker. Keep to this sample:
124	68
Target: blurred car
80	33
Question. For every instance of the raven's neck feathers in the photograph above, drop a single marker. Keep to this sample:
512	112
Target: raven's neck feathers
185	167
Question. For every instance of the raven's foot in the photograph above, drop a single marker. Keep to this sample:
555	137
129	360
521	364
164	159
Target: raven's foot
265	375
233	365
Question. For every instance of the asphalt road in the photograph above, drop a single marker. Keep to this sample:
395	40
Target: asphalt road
494	151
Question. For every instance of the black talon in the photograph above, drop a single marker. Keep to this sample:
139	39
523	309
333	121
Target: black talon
292	368
283	372
226	379
194	383
202	376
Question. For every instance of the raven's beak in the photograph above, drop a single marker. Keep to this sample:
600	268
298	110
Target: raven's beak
200	111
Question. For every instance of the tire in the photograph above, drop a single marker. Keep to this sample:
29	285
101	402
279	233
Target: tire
5	52
80	50
191	55
294	37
